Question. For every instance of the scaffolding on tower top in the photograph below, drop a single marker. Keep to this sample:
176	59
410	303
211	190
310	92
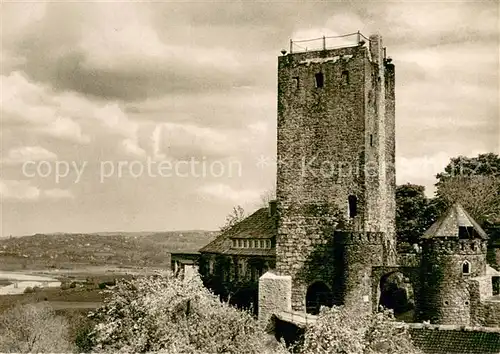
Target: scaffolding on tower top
328	42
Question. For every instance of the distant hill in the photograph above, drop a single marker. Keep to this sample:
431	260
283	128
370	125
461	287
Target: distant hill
136	249
182	241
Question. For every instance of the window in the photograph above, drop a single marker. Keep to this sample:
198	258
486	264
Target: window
296	82
496	285
268	243
241	268
465	232
246	243
211	266
466	268
235	243
371	139
262	244
319	80
345	77
353	206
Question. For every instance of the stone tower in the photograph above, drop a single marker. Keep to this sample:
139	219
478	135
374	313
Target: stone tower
453	252
336	154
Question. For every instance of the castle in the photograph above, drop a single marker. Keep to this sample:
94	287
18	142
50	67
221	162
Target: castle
329	238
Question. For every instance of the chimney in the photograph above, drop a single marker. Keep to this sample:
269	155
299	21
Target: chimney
272	208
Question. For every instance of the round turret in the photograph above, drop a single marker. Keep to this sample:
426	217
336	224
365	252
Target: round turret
453	251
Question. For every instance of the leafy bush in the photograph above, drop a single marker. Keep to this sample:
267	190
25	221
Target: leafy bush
341	331
165	313
83	337
28	290
33	328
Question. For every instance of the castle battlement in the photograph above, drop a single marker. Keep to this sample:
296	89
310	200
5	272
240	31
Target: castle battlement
454	245
437	327
357	238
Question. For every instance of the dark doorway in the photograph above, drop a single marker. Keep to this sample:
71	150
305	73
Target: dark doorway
396	293
245	298
318	294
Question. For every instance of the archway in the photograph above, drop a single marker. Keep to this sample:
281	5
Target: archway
318	294
245	298
396	293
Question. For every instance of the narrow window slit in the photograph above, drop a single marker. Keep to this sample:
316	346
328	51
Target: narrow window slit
319	80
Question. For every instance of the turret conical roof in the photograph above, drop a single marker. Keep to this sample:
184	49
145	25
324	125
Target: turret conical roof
449	224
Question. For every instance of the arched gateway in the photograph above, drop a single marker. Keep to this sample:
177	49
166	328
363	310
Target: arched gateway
318	294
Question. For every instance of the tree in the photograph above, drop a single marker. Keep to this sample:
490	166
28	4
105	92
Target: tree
340	331
33	328
237	215
166	314
415	213
474	183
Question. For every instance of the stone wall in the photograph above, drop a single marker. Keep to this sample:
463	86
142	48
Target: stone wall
334	142
491	313
485	310
356	253
274	295
446	293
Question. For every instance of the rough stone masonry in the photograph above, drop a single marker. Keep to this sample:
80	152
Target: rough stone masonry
336	153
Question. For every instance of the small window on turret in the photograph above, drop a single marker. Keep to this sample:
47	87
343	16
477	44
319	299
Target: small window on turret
465	232
353	206
319	80
466	268
495	282
345	77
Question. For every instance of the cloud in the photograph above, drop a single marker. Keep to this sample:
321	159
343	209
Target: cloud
91	81
221	191
28	153
68	116
24	191
18	190
29	104
57	193
113	52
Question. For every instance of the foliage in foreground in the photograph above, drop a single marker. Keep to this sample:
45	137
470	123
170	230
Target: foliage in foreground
167	314
341	331
33	328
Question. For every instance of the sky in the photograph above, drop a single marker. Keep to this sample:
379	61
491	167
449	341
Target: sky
150	116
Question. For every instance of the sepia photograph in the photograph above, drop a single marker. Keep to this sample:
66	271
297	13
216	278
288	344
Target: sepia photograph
250	176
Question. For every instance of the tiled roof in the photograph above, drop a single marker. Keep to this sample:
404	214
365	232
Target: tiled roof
447	225
259	225
455	340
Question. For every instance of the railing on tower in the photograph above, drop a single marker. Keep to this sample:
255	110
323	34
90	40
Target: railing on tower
328	42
